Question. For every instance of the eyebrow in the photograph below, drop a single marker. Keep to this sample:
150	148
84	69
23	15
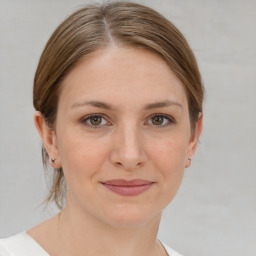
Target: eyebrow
97	104
103	105
163	104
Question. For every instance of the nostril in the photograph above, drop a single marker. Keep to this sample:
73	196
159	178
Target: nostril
140	164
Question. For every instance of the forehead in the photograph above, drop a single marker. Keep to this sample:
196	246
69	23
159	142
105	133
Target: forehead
122	75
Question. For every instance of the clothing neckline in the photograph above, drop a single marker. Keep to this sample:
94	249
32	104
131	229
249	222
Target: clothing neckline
27	236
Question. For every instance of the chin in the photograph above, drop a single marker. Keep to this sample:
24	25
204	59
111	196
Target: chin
125	213
131	218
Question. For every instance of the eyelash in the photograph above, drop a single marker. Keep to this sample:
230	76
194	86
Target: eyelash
169	119
84	120
87	118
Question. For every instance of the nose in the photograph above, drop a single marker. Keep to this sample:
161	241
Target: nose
128	148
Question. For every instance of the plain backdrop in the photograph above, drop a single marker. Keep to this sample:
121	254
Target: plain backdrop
214	212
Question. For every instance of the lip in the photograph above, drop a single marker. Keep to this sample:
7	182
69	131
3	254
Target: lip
128	187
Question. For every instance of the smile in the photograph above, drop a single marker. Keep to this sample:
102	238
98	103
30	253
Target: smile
128	188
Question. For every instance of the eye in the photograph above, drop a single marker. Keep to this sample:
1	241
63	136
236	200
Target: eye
95	121
160	120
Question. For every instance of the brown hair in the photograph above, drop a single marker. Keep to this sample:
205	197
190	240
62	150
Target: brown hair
98	26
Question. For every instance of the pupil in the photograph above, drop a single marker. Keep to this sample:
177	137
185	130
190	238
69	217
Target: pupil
96	120
157	120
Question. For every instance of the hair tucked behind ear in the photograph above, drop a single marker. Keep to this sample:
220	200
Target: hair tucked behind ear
98	26
57	189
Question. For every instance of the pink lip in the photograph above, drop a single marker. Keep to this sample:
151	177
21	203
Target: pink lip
128	187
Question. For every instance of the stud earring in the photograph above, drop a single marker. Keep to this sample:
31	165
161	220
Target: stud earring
188	161
53	160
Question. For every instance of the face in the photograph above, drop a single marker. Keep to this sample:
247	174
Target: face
123	135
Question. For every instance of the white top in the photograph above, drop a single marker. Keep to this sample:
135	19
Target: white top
24	245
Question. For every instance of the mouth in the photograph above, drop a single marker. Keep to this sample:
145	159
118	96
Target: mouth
128	187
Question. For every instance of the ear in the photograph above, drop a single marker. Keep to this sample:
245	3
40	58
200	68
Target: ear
194	139
49	139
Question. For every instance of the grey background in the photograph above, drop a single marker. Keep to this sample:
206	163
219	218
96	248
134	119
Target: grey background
214	212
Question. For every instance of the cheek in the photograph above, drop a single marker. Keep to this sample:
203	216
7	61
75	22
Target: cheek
167	158
170	153
81	158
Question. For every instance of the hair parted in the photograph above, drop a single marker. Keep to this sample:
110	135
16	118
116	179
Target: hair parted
102	25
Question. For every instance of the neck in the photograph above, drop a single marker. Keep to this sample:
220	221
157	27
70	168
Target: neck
82	234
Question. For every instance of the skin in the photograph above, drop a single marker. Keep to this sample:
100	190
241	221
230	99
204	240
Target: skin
128	142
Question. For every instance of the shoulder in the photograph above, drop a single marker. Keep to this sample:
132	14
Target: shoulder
20	245
3	252
170	251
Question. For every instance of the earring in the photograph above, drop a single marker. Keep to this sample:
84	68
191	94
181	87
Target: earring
53	160
188	162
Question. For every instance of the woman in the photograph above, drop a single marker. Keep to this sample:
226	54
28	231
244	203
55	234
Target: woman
118	99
